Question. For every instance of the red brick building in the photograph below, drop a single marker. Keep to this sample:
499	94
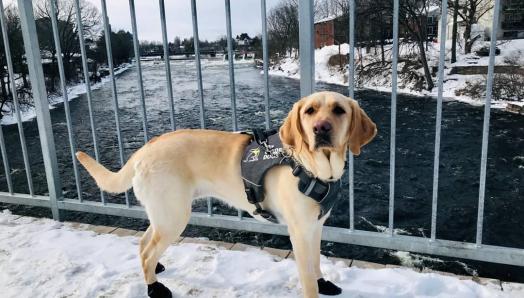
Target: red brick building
330	31
324	33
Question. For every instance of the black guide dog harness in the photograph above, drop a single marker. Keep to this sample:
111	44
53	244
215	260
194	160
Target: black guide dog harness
266	151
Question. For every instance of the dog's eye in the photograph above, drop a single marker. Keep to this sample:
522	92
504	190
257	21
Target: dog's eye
310	111
338	110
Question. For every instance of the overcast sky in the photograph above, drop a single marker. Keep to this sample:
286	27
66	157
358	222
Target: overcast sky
245	17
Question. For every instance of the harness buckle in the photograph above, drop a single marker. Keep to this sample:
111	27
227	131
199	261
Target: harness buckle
251	196
297	170
264	214
264	143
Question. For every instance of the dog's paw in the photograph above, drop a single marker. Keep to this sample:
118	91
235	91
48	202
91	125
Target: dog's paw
158	290
159	268
325	287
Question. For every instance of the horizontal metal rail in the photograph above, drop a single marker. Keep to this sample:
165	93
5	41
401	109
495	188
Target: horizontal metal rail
388	240
464	250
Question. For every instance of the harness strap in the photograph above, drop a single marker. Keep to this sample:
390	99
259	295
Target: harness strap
261	135
325	193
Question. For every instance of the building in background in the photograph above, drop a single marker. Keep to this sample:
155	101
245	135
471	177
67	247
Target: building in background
325	32
511	19
511	22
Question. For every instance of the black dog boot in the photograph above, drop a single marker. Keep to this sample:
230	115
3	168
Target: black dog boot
159	268
325	287
158	290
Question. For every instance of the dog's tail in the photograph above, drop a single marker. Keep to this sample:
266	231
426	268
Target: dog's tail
113	182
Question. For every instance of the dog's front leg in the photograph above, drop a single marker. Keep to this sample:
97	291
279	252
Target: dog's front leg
316	254
303	248
325	287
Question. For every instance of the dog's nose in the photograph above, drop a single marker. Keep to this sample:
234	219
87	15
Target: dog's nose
322	127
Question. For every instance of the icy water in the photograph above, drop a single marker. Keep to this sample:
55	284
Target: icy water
459	164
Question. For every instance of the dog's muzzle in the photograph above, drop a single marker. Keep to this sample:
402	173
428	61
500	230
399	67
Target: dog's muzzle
322	130
323	140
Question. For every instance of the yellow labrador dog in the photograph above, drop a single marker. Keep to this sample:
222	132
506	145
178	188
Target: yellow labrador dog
172	170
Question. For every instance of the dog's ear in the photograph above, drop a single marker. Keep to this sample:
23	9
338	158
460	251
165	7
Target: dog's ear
291	130
361	130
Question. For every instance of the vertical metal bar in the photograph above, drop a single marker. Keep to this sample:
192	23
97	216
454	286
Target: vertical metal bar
139	69
16	104
351	85
230	59
265	57
306	47
168	65
485	128
5	160
393	117
107	33
85	68
438	124
43	117
196	41
58	49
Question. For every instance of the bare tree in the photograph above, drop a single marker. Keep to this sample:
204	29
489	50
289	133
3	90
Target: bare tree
283	27
14	35
411	16
454	31
471	11
67	27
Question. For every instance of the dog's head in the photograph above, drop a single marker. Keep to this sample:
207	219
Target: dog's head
327	121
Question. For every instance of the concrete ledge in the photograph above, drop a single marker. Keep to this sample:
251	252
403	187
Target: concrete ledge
243	247
124	232
225	245
367	265
279	254
347	262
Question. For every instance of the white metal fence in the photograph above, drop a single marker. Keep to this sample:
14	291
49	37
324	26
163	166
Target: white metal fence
56	200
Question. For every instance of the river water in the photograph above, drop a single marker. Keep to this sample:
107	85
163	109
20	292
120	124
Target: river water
459	163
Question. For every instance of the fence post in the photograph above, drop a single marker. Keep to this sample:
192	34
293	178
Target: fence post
45	131
306	47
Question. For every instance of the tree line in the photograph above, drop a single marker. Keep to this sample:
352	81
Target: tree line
121	42
186	46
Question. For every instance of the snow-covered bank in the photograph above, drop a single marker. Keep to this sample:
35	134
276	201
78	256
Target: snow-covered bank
511	51
44	258
72	93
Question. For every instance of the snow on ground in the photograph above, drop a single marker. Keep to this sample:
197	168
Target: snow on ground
44	258
511	50
72	93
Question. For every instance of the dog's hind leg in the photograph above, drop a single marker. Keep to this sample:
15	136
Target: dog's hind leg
143	243
165	229
149	256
